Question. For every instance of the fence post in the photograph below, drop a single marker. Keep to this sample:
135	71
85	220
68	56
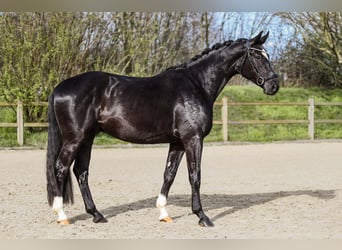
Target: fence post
311	116
224	115
20	124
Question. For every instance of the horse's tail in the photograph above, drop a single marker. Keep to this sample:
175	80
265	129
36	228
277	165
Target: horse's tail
54	146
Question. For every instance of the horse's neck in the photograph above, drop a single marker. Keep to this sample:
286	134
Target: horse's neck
212	74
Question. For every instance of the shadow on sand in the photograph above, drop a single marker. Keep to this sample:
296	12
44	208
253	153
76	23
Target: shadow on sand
233	203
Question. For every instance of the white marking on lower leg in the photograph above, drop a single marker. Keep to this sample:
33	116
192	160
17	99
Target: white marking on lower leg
163	213
161	201
161	204
169	164
58	208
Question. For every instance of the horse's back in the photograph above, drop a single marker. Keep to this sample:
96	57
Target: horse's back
82	84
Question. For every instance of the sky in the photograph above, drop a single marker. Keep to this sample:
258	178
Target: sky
249	24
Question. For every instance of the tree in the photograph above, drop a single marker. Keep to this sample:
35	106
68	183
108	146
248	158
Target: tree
316	49
38	50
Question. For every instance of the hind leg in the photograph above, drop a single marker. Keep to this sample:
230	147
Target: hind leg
64	185
81	171
174	157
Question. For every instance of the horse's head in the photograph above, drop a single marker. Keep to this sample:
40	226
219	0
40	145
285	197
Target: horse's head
255	65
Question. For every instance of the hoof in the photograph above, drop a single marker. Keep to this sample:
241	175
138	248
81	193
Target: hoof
166	219
63	222
98	217
205	222
100	220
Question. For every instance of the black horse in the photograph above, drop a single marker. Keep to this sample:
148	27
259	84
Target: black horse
175	107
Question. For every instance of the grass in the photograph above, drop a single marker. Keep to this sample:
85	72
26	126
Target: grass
277	132
243	133
265	133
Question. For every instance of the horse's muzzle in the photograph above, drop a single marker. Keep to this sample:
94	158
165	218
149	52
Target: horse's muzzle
271	86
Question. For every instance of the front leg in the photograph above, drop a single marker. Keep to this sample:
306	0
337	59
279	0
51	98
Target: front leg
193	150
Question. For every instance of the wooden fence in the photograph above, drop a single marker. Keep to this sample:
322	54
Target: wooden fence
20	125
310	121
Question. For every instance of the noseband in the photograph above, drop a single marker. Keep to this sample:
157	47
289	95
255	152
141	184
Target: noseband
240	66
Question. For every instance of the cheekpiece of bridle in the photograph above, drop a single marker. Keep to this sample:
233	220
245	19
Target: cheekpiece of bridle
240	66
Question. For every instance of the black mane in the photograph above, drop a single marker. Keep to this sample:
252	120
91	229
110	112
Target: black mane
206	51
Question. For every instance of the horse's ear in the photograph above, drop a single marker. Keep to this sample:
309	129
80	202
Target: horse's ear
259	39
264	38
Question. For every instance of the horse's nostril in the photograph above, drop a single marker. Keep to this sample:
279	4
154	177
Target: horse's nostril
275	88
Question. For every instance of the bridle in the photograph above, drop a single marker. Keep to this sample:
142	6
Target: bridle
240	65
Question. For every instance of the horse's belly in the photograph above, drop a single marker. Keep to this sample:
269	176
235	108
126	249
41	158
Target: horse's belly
143	133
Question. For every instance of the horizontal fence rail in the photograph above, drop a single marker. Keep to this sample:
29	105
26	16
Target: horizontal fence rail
311	121
20	125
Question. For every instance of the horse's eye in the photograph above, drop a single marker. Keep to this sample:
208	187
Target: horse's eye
258	57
